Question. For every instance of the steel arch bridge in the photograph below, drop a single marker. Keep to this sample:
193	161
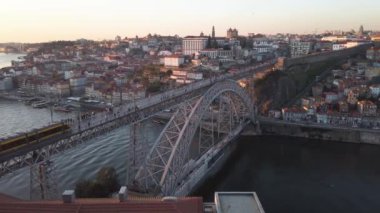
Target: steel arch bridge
197	126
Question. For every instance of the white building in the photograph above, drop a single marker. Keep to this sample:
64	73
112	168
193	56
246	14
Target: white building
336	38
193	44
264	45
339	46
195	75
174	60
263	49
68	75
345	45
300	48
374	90
216	53
185	77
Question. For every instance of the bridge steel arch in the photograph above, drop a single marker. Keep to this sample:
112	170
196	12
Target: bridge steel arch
164	166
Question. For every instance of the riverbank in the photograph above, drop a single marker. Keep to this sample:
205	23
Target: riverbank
319	132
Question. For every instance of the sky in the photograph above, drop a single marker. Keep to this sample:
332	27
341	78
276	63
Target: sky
49	20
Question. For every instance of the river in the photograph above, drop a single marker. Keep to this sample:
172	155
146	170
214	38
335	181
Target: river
301	175
6	58
17	117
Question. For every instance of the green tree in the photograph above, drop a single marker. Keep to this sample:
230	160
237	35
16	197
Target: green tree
208	45
154	87
98	190
83	188
169	72
106	183
214	43
107	177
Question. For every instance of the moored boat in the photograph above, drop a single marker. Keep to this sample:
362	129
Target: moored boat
62	109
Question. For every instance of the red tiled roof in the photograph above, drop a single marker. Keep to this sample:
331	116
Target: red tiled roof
6	199
182	205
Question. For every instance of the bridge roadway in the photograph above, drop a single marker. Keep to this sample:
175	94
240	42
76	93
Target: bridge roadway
100	123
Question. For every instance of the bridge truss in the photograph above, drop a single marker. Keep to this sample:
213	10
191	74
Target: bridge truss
197	125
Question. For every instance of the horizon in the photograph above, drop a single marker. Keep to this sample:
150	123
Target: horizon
43	21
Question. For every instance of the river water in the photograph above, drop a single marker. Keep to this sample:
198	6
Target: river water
301	175
17	117
5	59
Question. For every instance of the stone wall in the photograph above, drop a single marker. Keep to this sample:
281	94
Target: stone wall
314	58
331	134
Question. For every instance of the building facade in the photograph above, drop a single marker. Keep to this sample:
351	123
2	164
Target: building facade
373	54
367	108
232	33
300	48
193	44
173	61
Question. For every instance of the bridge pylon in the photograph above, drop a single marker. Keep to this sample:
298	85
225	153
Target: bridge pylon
137	148
43	180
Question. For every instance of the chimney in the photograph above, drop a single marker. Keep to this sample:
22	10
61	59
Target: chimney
68	196
123	194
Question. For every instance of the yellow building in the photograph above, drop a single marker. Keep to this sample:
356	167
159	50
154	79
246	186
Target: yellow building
375	37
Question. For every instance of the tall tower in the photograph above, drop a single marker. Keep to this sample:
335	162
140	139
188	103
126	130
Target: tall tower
213	32
361	31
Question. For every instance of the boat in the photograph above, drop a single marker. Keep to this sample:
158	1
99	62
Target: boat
40	104
158	121
62	109
92	101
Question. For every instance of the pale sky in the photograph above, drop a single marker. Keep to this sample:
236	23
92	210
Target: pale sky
48	20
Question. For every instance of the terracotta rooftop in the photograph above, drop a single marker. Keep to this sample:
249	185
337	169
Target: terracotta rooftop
9	204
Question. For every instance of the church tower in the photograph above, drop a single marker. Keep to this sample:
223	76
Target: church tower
213	32
361	31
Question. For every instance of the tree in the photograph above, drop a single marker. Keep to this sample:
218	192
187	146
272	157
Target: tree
214	43
154	87
169	72
226	47
208	45
98	190
106	183
83	188
243	42
107	177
